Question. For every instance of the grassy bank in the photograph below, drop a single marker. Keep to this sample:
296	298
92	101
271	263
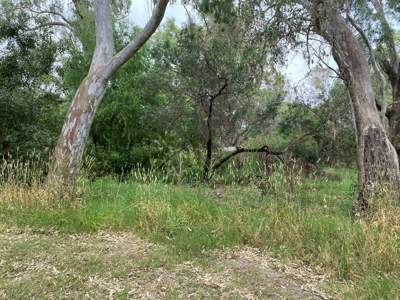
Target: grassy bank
310	222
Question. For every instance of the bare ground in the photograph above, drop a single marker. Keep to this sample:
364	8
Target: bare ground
105	265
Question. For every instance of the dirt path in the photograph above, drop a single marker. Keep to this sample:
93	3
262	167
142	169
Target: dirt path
122	266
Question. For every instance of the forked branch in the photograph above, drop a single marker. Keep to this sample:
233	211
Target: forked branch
130	50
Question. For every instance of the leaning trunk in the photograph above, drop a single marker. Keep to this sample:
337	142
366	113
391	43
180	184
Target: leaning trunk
376	157
75	132
71	144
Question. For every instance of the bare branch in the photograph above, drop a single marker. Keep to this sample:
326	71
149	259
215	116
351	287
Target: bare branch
51	12
77	4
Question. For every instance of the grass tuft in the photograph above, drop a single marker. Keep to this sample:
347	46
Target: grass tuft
310	221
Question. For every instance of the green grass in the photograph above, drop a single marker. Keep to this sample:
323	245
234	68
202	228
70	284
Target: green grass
311	223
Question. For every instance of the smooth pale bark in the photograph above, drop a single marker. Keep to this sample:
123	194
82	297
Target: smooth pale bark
377	161
78	121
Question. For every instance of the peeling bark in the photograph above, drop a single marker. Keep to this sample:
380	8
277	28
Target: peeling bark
75	132
377	160
78	121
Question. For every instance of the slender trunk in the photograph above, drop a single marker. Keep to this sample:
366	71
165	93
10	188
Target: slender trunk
75	132
209	144
377	160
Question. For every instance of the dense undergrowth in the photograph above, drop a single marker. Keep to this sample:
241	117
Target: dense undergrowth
309	219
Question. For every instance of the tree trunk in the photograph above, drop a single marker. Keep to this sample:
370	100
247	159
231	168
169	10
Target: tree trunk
209	145
377	160
391	67
75	132
208	160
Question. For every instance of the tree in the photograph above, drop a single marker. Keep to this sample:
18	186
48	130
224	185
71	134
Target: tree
378	34
28	114
220	68
75	132
322	130
377	160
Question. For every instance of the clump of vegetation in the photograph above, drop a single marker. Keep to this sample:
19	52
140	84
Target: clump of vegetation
310	221
192	136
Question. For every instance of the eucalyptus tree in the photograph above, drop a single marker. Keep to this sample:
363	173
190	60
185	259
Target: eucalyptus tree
377	159
75	132
376	21
66	22
220	68
27	105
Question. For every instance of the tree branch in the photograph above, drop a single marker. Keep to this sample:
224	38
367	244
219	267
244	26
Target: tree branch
130	50
51	12
50	24
104	34
238	150
388	35
77	4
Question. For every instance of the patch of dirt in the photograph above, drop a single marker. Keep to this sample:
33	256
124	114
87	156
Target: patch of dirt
122	266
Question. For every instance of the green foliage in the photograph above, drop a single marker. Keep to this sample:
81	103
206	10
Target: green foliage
321	132
29	107
220	66
153	111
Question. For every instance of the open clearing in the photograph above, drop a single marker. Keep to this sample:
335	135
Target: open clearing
105	265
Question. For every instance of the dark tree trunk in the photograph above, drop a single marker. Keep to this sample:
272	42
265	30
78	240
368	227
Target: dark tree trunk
209	144
377	160
207	169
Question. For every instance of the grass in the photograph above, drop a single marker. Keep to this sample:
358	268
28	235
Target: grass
311	223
